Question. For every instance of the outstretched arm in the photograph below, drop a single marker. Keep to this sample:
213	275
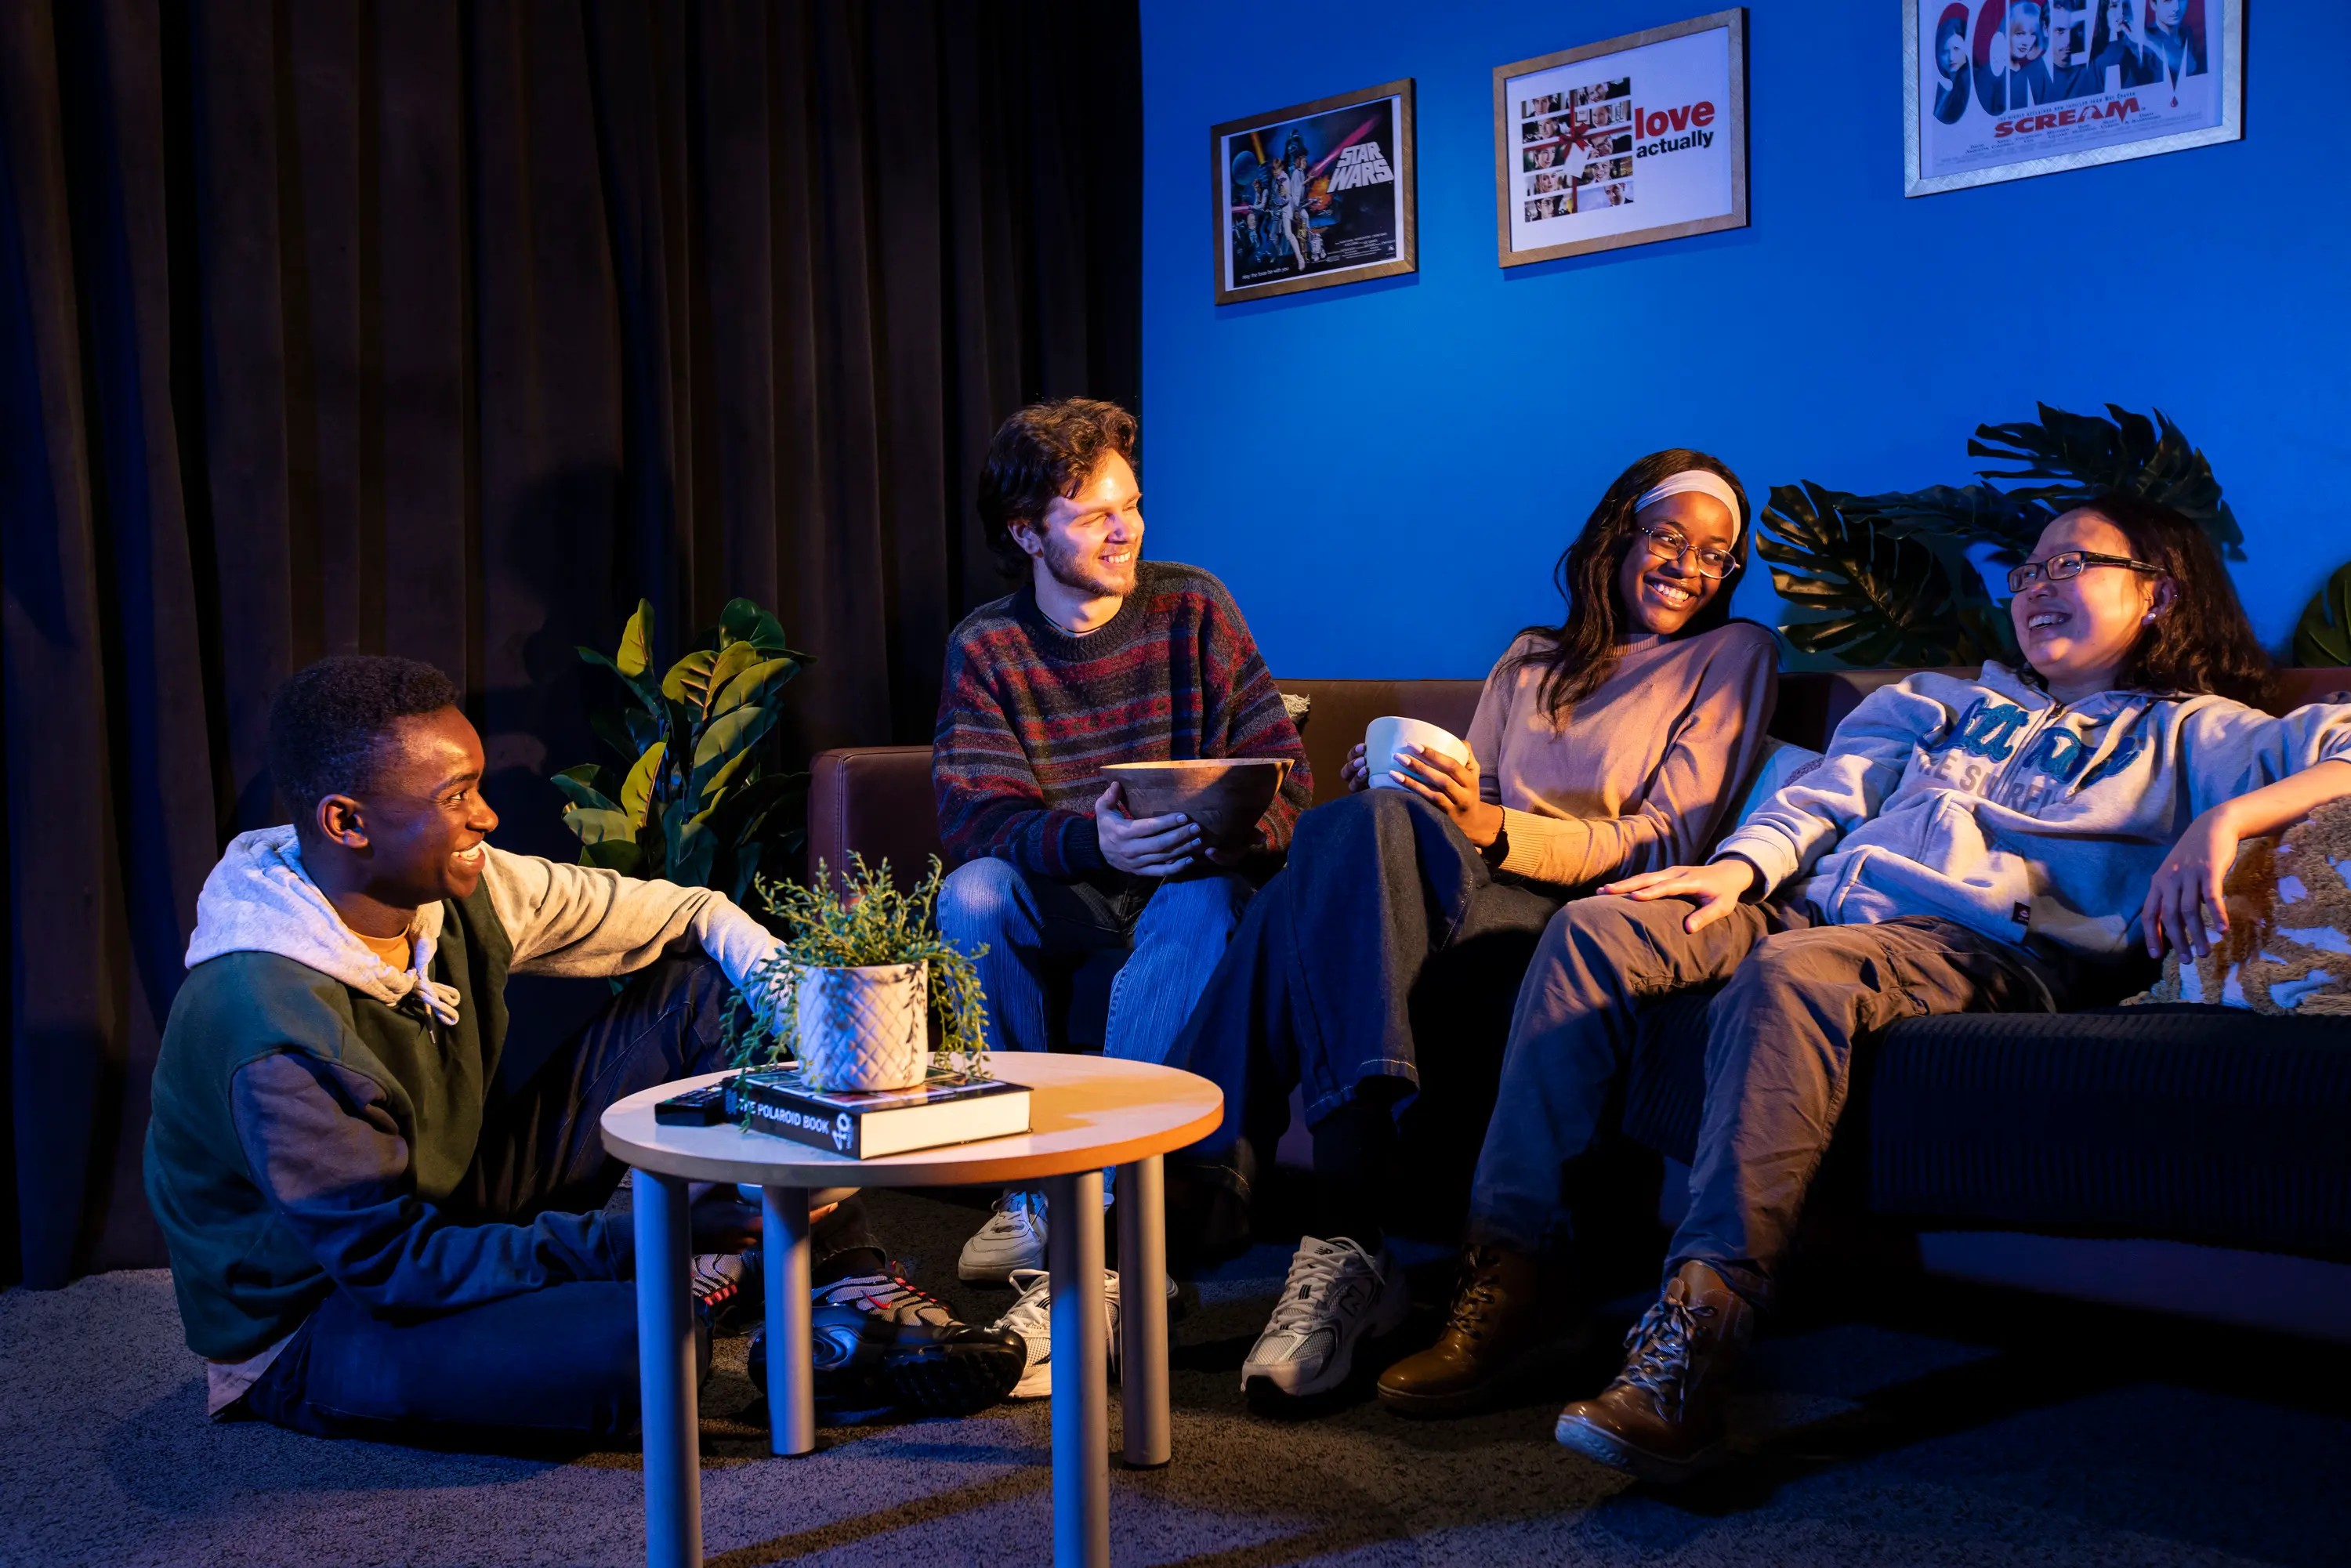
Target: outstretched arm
2184	908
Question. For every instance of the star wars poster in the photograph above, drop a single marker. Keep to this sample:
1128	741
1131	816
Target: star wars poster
1636	139
1317	194
2000	89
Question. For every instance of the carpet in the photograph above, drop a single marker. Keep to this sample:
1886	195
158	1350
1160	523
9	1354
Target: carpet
1897	1425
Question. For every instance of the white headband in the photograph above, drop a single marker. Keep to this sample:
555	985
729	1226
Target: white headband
1697	481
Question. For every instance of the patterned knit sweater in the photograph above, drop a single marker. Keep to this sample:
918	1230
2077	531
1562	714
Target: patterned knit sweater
1028	714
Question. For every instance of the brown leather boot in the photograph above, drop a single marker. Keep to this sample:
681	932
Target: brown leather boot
1662	1418
1493	1319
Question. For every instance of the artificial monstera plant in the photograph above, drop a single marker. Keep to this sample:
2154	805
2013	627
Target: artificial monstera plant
703	798
2323	635
1901	579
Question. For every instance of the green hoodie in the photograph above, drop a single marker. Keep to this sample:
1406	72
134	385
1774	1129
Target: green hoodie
316	1108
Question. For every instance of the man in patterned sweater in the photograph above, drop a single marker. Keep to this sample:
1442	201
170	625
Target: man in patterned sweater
1100	657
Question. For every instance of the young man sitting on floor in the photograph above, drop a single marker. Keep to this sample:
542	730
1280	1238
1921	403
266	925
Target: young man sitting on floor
1098	657
366	1238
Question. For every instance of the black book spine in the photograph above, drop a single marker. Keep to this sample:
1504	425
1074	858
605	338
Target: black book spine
761	1109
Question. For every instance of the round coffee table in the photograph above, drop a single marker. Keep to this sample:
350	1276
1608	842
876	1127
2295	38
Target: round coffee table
1086	1112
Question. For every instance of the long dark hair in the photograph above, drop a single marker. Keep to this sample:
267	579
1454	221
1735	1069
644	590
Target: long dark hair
2203	643
1577	655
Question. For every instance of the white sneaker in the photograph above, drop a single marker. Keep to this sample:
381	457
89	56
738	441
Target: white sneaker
1335	1296
1031	1318
1013	1237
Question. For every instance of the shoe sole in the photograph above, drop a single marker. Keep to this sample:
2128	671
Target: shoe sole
954	1380
1467	1401
1342	1364
971	1276
1595	1442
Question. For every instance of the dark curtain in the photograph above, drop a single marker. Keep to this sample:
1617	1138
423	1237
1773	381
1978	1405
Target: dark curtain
449	331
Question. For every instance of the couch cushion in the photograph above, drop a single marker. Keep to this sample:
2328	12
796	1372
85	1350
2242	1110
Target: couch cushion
2191	1123
1341	710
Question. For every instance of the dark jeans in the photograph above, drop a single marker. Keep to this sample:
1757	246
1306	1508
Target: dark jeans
554	1363
1375	972
1801	998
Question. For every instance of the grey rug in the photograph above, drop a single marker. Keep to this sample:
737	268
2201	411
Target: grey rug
1937	1427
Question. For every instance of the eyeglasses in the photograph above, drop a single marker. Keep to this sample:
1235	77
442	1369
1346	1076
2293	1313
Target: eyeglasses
1669	544
2070	563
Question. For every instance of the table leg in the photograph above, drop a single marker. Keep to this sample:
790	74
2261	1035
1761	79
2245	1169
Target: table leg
665	1374
1143	1312
1073	1248
791	1375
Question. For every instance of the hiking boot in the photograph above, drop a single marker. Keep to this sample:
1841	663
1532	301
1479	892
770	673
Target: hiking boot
1336	1295
877	1339
1013	1237
726	1291
1662	1420
1491	1322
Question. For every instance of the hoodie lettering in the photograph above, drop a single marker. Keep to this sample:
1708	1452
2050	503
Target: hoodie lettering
1989	729
2059	753
2125	753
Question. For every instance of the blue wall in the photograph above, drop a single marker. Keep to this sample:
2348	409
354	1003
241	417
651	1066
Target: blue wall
1849	336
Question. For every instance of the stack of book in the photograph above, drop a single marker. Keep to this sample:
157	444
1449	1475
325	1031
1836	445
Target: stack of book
865	1125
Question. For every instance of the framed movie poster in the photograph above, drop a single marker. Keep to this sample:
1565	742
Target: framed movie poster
2001	89
1315	194
1637	138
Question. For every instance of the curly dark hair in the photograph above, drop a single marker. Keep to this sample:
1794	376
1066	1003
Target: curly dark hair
2204	643
327	721
1046	450
1577	655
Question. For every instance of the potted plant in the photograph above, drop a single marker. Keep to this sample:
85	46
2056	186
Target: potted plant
699	795
861	980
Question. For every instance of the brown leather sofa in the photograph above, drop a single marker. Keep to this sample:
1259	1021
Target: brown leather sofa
2196	1125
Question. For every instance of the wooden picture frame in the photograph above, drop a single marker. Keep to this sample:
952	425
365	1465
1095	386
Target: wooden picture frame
1353	158
1694	163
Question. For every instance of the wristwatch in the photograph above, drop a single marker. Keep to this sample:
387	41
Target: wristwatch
1495	853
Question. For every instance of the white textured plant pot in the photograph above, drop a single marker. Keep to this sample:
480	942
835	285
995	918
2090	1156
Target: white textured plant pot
866	1028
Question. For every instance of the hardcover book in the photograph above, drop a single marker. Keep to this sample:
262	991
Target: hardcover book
947	1108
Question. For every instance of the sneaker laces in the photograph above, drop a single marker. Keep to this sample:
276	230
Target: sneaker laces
1477	1297
1305	1296
1014	1210
1030	1317
887	1296
1658	1350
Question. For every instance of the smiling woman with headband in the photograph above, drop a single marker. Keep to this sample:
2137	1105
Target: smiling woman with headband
1604	746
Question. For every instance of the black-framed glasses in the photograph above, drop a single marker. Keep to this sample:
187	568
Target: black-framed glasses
2070	563
1671	544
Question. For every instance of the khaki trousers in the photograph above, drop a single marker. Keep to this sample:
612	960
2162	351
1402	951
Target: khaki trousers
1798	995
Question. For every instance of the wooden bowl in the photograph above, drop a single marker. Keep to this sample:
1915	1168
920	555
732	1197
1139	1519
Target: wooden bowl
1225	795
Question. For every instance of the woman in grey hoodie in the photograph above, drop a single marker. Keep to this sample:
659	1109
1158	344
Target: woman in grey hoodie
1966	845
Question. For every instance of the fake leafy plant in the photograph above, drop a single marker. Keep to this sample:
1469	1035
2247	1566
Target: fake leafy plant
868	922
2323	635
703	798
1900	578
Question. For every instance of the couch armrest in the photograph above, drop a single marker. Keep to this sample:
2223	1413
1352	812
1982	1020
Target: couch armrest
873	801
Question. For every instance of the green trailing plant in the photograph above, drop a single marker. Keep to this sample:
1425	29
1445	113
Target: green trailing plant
701	798
2323	635
1901	578
869	921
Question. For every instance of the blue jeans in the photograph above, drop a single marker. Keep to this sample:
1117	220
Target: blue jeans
555	1365
1176	931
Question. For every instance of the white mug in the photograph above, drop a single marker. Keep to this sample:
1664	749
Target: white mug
1386	736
